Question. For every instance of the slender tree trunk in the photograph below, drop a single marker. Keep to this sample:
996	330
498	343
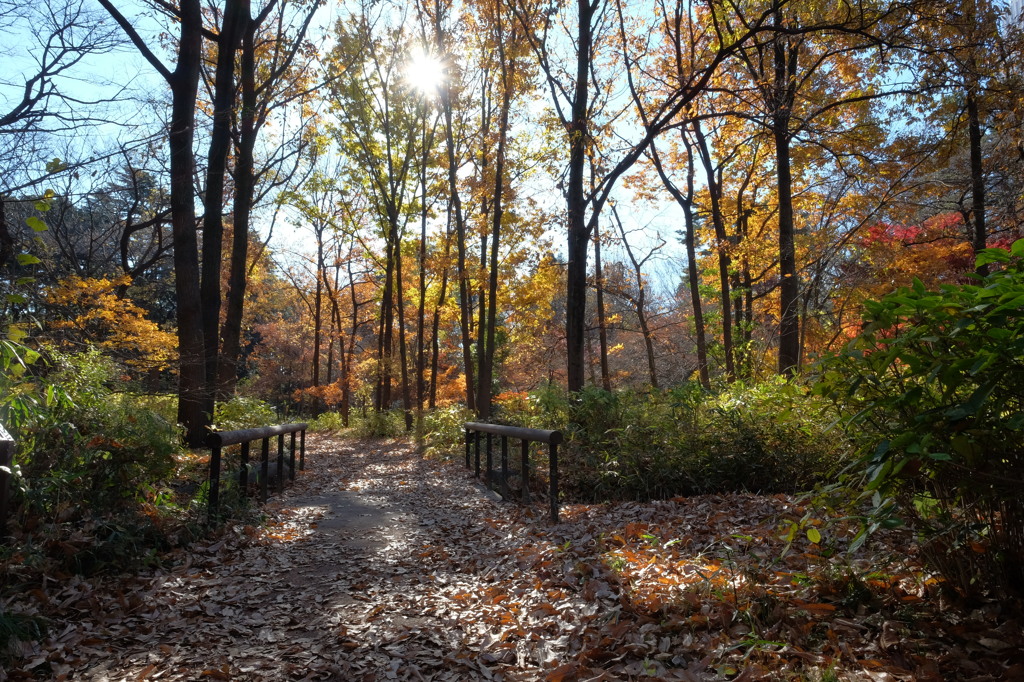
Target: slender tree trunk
318	306
602	324
722	247
421	311
465	312
403	353
690	239
640	301
977	178
497	213
245	189
579	235
236	13
385	336
785	63
789	287
693	276
346	387
435	346
6	240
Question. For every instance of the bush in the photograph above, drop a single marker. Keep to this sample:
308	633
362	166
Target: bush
242	412
931	391
328	422
380	424
443	431
84	445
766	437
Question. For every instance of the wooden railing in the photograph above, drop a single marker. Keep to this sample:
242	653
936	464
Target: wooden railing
220	439
525	436
6	464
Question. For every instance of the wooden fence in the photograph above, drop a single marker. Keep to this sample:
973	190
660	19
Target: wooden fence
221	439
525	436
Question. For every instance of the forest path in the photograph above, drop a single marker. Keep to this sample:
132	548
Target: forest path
380	565
364	571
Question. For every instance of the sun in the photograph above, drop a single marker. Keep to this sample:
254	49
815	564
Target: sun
425	72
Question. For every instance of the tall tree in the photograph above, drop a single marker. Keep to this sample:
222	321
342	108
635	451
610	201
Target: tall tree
274	73
378	128
183	82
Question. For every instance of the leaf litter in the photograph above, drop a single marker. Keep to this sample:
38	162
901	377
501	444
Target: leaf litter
381	565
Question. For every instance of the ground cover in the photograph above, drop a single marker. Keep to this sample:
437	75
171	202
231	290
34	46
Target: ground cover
378	564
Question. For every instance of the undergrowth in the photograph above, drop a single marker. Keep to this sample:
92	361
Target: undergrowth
767	437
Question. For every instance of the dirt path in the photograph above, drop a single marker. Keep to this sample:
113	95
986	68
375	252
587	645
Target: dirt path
363	572
379	565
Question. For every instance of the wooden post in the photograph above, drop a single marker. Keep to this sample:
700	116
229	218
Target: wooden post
213	496
291	459
243	473
7	464
476	449
525	467
490	459
504	466
553	479
302	450
264	469
280	463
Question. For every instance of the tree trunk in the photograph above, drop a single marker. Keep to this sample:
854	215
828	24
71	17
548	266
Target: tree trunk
403	353
318	306
435	346
977	178
579	235
421	310
693	275
245	189
722	247
785	64
789	287
690	239
386	328
460	231
236	14
602	324
192	397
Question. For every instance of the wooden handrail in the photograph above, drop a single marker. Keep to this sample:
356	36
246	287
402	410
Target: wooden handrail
526	436
219	439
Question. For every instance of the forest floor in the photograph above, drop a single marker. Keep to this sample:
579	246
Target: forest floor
378	565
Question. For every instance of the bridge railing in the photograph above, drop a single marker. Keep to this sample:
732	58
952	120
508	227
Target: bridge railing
217	440
474	431
6	466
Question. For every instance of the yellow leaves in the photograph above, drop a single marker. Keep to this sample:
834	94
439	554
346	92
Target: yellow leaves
90	311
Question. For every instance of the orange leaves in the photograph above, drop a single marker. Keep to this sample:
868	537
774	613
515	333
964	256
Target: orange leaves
91	311
435	581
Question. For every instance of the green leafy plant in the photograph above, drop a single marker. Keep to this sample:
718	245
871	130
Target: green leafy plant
931	391
243	412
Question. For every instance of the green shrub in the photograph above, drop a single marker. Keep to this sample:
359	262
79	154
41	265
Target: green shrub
327	422
242	412
380	424
83	445
766	437
443	432
932	392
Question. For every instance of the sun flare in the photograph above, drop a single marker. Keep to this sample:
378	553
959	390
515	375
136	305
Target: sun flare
425	72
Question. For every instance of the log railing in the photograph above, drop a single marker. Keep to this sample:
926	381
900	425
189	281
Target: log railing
474	430
220	439
6	472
